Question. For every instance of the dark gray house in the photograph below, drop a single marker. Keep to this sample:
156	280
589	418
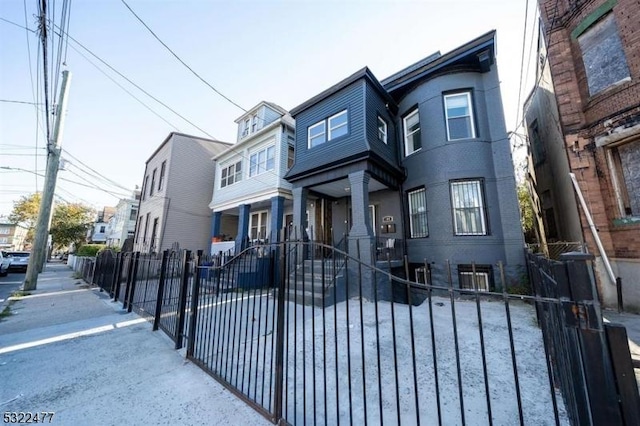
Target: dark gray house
418	163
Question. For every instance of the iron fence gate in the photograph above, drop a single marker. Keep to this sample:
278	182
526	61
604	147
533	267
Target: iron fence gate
307	333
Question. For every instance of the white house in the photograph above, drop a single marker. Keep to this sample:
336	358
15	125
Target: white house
122	224
250	196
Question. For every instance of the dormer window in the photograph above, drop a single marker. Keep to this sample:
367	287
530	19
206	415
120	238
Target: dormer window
338	125
254	124
247	127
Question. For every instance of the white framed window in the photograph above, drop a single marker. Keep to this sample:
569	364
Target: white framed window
331	128
481	280
258	225
317	134
231	174
247	127
459	112
412	141
382	129
261	161
338	125
254	124
5	231
467	203
418	225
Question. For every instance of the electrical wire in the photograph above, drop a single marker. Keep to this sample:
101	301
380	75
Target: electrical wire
179	59
96	172
127	91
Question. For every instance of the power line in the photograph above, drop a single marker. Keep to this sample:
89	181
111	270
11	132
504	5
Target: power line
96	172
180	60
134	84
19	102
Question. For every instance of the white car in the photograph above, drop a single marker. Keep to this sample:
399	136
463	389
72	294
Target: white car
5	262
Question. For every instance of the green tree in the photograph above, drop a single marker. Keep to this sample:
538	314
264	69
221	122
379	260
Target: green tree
70	224
527	216
25	213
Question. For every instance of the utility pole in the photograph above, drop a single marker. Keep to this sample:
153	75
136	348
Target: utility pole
38	250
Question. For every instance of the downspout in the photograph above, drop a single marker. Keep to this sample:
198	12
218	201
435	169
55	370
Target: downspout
594	231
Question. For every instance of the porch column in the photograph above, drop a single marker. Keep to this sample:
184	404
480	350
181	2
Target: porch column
277	213
216	219
361	225
243	227
361	240
300	212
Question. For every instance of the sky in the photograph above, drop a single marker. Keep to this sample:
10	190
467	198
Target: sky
283	51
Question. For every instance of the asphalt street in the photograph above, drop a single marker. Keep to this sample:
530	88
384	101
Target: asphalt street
9	284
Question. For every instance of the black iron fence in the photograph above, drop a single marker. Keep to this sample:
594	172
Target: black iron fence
308	333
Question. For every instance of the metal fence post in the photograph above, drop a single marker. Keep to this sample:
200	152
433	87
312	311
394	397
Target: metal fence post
127	288
279	378
182	298
586	312
623	369
160	296
194	306
115	286
132	287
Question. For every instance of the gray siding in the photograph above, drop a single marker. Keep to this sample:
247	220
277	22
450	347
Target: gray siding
376	105
350	98
439	161
188	191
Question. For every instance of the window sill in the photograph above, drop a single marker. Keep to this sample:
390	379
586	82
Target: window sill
412	153
626	221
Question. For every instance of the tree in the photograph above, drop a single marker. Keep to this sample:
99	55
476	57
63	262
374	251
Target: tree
25	213
527	216
70	224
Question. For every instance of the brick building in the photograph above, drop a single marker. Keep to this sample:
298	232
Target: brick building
584	117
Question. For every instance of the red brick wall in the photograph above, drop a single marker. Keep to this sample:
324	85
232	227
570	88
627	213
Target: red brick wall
582	116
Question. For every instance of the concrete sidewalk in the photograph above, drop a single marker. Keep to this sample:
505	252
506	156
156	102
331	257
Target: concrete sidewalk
68	349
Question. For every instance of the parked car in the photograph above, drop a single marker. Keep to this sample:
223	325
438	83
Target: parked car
5	263
19	260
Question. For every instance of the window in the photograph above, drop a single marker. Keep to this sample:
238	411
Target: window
258	225
468	208
145	187
163	168
133	214
262	161
5	231
154	233
146	229
624	163
254	124
459	116
604	60
102	229
382	129
231	174
317	134
537	148
247	127
4	240
338	125
418	213
412	141
153	182
483	277
290	156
